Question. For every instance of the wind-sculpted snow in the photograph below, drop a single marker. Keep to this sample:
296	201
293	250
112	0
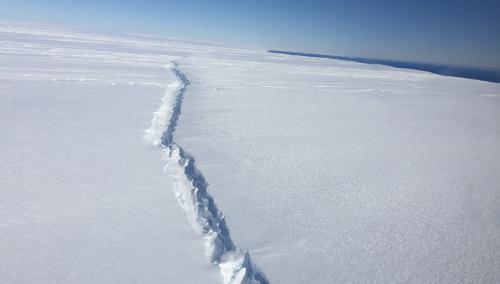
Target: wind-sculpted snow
190	189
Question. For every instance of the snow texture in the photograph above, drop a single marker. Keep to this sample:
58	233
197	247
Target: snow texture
327	171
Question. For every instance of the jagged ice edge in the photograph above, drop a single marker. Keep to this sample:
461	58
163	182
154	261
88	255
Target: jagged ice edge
190	189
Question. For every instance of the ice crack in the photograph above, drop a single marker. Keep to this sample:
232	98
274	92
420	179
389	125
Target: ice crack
190	189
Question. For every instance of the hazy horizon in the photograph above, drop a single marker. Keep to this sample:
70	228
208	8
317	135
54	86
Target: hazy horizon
456	33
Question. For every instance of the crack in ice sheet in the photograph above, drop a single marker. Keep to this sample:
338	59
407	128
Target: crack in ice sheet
190	189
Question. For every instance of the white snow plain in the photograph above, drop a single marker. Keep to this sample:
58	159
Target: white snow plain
326	171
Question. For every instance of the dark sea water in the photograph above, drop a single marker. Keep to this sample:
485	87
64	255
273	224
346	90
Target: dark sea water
489	75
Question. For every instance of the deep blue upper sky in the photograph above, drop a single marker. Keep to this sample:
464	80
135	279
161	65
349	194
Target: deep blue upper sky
459	32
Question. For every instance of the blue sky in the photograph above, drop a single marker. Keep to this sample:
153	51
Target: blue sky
441	31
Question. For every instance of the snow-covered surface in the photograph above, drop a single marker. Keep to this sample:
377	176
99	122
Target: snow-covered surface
326	171
350	172
82	199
